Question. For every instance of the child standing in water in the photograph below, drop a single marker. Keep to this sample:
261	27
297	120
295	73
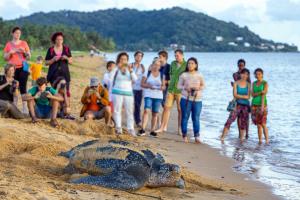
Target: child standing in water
259	109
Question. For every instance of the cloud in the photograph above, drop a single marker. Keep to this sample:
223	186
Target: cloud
283	10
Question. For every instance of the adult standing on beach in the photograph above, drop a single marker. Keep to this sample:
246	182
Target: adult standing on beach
236	77
174	93
191	83
139	70
259	109
122	91
152	83
165	72
58	58
17	52
241	93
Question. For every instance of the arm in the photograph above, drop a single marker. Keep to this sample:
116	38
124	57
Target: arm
4	85
105	99
180	84
28	97
144	84
133	76
264	93
235	95
85	97
55	97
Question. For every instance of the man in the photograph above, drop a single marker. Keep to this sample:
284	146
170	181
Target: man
138	69
237	76
165	71
174	94
9	89
95	100
43	102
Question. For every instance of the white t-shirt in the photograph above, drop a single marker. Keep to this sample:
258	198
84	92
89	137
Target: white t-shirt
139	73
107	80
156	82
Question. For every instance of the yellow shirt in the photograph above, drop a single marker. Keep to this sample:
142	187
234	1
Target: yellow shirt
36	71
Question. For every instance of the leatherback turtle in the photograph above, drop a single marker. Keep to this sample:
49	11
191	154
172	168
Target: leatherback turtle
121	165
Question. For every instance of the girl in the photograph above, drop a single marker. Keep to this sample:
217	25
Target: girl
122	92
191	84
153	95
259	109
241	92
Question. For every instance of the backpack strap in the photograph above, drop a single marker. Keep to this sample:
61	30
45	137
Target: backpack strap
115	77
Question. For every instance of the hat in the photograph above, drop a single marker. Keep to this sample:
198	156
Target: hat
94	81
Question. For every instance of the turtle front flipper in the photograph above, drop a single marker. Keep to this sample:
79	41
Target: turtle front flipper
120	180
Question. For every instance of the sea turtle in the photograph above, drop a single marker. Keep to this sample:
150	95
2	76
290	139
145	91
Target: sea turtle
121	165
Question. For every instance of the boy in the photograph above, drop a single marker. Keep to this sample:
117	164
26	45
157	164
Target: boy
36	69
108	79
43	102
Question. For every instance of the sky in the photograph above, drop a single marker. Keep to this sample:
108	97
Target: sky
278	20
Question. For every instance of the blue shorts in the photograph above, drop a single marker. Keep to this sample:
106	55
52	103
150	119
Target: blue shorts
43	111
152	103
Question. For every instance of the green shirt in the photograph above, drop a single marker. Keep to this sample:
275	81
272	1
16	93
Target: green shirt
175	72
40	100
256	101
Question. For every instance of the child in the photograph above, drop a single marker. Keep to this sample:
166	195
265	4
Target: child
108	79
36	69
259	109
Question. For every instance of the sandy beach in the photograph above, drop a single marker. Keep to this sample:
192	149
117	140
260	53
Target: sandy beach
31	169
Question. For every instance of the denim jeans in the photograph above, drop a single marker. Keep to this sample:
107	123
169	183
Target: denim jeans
189	107
138	97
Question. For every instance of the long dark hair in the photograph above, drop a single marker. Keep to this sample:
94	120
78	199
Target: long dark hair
120	55
187	63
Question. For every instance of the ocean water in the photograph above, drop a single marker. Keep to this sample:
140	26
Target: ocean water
276	164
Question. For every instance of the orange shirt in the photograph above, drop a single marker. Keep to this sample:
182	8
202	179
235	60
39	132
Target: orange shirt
16	58
36	71
93	106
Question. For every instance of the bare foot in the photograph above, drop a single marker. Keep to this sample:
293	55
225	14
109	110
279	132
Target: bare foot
259	142
34	120
179	132
197	140
185	139
160	130
267	142
54	123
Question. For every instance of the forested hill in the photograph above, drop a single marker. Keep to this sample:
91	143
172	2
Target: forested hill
157	29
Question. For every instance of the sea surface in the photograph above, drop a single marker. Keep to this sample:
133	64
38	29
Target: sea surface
276	164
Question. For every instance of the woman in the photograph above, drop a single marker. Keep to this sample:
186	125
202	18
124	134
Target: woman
153	96
191	83
122	92
259	109
58	58
241	93
17	52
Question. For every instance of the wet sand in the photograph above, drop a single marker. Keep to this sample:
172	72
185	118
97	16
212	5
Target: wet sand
31	169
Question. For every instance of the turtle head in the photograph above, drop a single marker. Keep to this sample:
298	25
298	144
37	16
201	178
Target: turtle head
166	175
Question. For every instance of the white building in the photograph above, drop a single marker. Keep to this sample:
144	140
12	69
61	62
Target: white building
247	44
219	38
239	39
232	44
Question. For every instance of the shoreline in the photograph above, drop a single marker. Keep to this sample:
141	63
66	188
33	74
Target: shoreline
31	169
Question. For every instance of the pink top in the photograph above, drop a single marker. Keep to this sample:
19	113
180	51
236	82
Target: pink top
18	57
188	81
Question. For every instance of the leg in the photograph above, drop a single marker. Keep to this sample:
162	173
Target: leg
196	111
4	107
147	107
22	77
54	111
266	133
154	121
128	104
259	130
186	111
156	103
137	106
118	104
177	98
15	112
232	117
31	108
166	113
243	117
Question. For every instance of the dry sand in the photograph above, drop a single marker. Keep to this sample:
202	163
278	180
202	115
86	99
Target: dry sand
31	169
